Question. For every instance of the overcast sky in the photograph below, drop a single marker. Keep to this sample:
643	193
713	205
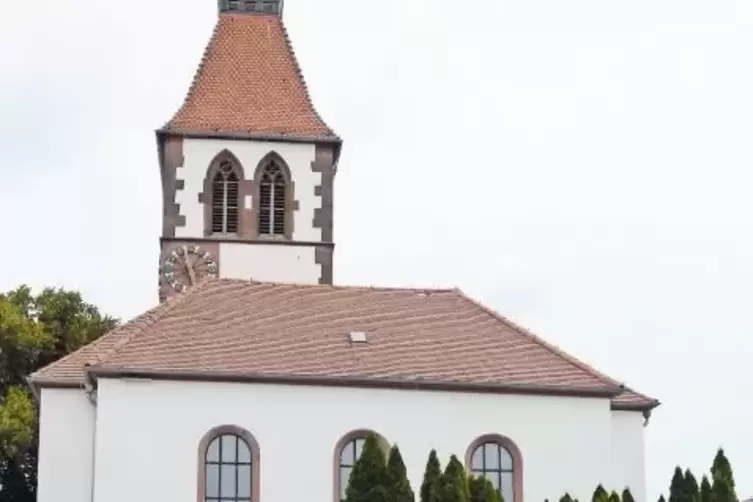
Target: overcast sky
581	166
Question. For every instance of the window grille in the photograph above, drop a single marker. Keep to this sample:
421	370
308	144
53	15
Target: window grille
495	463
272	192
348	457
225	200
227	465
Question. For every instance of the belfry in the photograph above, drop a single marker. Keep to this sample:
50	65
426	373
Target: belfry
247	163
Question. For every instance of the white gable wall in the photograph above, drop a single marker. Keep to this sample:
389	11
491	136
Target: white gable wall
627	452
148	434
66	436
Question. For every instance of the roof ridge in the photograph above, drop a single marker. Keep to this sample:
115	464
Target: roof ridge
148	319
299	72
543	343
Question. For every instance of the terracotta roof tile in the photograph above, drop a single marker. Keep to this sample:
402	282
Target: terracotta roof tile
240	328
249	82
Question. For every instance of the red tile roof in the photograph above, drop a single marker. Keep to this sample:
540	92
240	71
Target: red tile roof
239	329
249	83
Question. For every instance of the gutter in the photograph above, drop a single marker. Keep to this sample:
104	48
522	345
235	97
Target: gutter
94	372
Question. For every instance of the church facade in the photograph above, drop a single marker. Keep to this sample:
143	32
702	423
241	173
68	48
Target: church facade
256	378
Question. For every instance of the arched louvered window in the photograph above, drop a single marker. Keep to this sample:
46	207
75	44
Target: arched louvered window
498	459
229	459
225	199
272	193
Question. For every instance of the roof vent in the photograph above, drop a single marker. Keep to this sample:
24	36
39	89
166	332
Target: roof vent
357	337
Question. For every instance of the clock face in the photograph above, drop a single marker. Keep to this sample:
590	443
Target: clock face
186	266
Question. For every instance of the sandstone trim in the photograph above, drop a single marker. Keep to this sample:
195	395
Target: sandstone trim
171	149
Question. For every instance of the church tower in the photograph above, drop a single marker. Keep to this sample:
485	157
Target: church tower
247	163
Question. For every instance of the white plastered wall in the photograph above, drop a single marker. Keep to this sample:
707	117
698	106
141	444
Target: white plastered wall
268	262
66	437
148	433
198	155
628	453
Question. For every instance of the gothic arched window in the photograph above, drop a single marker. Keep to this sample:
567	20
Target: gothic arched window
229	458
498	459
273	187
225	200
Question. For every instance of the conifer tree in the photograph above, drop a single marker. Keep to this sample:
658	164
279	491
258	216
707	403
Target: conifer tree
600	494
722	479
722	468
705	492
614	497
721	490
368	479
482	490
691	492
677	486
398	485
432	478
627	496
566	498
661	499
454	483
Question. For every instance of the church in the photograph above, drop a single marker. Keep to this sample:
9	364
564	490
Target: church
256	378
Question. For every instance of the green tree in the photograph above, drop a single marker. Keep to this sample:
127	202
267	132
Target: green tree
454	482
34	331
566	498
627	496
705	492
721	468
661	499
432	479
368	479
677	486
722	479
398	485
614	497
600	495
482	490
691	492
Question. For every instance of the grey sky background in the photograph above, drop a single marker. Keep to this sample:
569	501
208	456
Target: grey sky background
581	166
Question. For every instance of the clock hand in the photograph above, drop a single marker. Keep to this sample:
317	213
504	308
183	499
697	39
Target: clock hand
189	267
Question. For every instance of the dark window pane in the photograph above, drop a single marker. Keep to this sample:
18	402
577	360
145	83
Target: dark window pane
213	452
346	455
506	459
344	476
227	480
507	487
244	453
212	488
477	460
244	481
491	456
494	478
228	448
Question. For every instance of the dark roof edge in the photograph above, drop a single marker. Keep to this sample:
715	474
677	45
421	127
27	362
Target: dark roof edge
647	406
244	135
95	372
336	141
